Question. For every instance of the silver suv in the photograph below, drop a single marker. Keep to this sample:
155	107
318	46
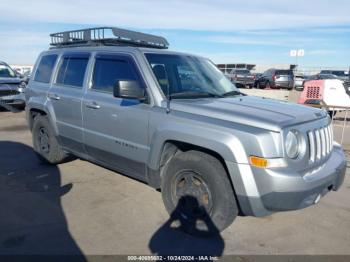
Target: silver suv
174	121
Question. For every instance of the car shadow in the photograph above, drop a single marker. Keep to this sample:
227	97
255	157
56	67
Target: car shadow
32	220
182	237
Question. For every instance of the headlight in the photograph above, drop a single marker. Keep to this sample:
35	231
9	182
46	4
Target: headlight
292	144
22	85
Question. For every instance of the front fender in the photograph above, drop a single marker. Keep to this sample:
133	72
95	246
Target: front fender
227	145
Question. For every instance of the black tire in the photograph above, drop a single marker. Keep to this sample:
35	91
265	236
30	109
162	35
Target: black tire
217	208
258	86
332	113
45	142
20	107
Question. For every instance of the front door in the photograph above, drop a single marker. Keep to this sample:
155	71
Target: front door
115	129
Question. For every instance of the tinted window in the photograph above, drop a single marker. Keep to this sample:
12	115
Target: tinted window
72	70
109	69
339	73
283	72
244	72
6	71
45	68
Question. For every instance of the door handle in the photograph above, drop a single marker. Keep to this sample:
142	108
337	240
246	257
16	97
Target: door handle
92	105
53	96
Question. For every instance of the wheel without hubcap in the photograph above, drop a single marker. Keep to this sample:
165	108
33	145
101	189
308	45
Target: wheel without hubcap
197	193
45	142
188	183
43	138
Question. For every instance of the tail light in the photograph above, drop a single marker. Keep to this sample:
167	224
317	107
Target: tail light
274	77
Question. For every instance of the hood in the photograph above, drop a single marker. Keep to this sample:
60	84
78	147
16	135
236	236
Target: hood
10	80
249	110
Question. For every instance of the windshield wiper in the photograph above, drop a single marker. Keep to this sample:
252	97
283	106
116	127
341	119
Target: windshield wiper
194	94
233	93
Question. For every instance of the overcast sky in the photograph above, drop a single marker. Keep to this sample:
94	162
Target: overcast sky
250	31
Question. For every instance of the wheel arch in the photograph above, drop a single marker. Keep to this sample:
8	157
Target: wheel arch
33	109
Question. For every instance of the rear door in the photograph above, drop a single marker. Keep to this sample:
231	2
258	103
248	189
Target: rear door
116	129
66	97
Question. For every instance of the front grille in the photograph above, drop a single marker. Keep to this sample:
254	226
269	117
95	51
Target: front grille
320	143
313	92
8	89
8	92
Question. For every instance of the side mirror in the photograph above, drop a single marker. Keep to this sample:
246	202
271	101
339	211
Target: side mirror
129	89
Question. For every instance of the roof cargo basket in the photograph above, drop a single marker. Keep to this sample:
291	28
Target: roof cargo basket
107	36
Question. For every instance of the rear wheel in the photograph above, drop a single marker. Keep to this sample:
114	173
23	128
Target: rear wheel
267	85
332	113
45	142
197	192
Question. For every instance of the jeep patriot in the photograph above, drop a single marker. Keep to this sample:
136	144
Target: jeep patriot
175	122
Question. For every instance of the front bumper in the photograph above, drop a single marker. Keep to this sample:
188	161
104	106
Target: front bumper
282	84
264	191
18	99
244	82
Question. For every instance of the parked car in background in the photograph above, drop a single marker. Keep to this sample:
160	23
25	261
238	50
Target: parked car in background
323	77
340	74
299	82
276	78
25	71
242	78
12	86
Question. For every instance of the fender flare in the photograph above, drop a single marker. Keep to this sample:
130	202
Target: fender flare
32	104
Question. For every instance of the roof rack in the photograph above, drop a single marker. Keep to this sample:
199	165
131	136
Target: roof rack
106	36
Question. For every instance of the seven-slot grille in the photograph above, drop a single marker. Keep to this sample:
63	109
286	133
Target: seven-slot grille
320	142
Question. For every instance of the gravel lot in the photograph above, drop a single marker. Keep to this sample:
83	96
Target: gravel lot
81	208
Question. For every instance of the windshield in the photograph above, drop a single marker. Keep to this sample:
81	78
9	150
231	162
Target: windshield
325	76
6	71
182	76
339	73
242	72
283	72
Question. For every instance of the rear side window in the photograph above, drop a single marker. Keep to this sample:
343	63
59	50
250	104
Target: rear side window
45	68
283	72
244	72
72	70
109	69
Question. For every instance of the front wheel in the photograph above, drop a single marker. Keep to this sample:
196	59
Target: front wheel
197	193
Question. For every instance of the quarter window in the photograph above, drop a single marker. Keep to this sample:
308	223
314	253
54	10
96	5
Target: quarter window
45	68
72	70
109	69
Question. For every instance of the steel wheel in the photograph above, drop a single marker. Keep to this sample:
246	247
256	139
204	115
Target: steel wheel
199	204
44	140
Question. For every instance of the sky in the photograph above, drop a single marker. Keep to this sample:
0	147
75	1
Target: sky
236	31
